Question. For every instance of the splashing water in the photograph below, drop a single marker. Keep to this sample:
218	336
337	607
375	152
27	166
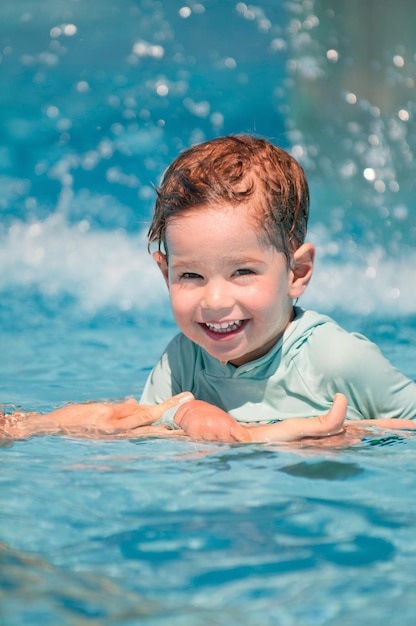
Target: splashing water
85	141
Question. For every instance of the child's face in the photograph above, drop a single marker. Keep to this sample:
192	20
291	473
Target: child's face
230	293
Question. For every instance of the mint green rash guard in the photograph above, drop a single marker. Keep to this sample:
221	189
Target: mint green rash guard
313	360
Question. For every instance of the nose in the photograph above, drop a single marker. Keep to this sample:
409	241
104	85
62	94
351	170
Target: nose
217	295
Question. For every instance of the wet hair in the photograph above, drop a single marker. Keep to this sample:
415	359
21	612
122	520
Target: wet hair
235	170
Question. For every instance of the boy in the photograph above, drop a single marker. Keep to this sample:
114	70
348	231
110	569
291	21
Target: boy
230	223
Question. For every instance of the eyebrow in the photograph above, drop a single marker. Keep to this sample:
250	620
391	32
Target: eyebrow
226	259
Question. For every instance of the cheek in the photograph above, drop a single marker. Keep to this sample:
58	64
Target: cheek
180	302
266	297
271	305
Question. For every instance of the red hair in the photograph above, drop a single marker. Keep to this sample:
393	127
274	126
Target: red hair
233	170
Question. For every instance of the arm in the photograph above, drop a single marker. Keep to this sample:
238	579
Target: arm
90	420
393	423
375	389
201	420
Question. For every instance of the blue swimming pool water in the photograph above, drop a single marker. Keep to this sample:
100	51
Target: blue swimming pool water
96	98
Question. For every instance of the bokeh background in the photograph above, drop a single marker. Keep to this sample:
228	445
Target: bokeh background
98	97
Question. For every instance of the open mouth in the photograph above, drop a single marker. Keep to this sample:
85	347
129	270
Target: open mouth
224	328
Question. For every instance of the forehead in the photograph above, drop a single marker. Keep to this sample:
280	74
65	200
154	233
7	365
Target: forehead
226	232
237	221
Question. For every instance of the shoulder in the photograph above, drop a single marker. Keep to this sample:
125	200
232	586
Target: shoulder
343	353
330	359
332	349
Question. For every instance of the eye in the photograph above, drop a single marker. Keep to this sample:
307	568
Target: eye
244	271
189	276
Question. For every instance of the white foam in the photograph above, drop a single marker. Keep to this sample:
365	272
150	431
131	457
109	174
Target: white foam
385	289
103	268
100	268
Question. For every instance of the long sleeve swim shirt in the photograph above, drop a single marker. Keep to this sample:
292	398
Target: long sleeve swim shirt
313	360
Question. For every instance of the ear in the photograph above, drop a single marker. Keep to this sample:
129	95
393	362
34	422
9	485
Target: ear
301	269
162	264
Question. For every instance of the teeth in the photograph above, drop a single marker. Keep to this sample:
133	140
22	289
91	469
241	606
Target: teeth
224	327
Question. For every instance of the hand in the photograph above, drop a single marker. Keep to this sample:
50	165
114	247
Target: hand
327	431
203	421
296	428
206	422
89	420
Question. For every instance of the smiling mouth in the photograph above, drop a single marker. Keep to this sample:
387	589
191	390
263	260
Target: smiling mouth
223	328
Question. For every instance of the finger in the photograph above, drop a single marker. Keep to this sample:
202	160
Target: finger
125	409
156	431
180	398
240	434
143	415
235	434
138	414
155	411
329	424
333	421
